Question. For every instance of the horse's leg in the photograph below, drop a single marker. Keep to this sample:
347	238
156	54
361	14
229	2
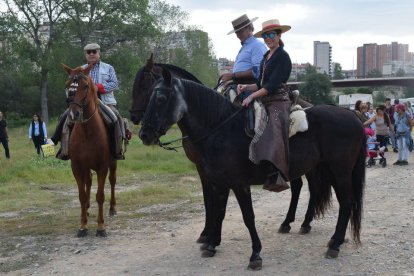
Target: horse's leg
296	186
244	199
218	197
81	177
88	186
207	205
343	190
112	181
305	228
100	198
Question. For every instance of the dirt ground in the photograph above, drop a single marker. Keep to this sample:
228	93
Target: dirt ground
153	246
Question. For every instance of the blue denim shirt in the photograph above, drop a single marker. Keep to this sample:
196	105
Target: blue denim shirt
250	56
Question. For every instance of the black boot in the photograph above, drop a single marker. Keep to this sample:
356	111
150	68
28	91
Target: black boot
275	183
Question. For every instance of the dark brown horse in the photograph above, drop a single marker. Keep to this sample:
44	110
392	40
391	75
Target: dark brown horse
89	146
142	91
331	153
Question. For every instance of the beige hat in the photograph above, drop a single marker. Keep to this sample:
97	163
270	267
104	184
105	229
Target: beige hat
240	23
92	46
272	24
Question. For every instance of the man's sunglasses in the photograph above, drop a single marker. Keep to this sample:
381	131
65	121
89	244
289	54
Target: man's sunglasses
269	35
91	52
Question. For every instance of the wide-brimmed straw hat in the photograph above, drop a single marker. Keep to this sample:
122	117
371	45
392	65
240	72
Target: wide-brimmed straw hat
241	22
272	24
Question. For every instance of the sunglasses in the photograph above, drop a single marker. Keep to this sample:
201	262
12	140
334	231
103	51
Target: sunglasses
269	35
91	52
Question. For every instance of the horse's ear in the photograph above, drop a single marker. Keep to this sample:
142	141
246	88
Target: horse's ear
67	68
150	62
166	75
88	69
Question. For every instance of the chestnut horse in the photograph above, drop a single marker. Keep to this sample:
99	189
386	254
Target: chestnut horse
89	146
217	128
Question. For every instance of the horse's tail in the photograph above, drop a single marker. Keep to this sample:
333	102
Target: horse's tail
321	191
358	185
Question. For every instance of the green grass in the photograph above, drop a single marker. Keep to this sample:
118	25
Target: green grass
38	196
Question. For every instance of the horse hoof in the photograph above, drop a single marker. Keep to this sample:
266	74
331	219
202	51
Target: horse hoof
112	213
255	265
305	230
101	233
332	254
82	233
208	252
284	229
203	246
202	239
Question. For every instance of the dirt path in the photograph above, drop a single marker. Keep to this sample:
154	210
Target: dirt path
154	247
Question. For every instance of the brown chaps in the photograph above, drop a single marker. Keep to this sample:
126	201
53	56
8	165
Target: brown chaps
271	142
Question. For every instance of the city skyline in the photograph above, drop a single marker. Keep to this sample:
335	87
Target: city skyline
345	25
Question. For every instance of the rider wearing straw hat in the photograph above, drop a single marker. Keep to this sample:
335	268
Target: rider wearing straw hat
271	143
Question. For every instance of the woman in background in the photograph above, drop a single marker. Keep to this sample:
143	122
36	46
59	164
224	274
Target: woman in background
37	132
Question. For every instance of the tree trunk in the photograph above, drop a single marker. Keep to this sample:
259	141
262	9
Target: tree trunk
43	99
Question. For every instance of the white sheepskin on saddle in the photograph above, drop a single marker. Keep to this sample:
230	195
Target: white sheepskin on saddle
298	121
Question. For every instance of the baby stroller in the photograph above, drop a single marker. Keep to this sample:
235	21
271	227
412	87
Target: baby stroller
374	151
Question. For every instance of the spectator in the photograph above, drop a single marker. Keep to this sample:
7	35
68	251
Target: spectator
382	125
402	132
389	109
37	132
4	135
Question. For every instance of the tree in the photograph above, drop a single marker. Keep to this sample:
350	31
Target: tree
337	74
317	87
400	73
36	28
374	73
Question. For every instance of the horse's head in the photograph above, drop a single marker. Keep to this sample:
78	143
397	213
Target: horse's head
80	91
142	90
165	108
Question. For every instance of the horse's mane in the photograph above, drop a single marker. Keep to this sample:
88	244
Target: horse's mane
212	105
185	74
180	71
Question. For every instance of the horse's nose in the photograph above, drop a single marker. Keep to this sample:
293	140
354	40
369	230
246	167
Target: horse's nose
136	118
145	137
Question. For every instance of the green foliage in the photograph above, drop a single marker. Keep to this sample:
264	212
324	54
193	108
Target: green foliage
379	98
337	72
375	73
126	30
317	87
365	90
400	73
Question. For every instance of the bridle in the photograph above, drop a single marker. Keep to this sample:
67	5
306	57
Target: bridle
73	89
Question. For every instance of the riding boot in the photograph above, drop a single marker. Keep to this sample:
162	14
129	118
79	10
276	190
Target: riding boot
63	152
57	136
117	135
275	183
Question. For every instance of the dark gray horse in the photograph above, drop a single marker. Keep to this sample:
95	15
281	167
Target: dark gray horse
332	153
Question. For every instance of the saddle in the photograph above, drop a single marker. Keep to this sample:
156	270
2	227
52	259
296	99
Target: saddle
256	113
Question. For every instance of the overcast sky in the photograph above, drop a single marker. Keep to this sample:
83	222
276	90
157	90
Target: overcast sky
345	24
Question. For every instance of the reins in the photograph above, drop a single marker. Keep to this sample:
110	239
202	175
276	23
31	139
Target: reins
165	144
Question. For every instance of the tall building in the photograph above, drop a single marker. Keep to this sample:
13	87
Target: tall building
322	57
386	58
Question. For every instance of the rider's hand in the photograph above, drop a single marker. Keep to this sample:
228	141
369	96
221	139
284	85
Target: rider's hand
227	76
247	101
241	88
